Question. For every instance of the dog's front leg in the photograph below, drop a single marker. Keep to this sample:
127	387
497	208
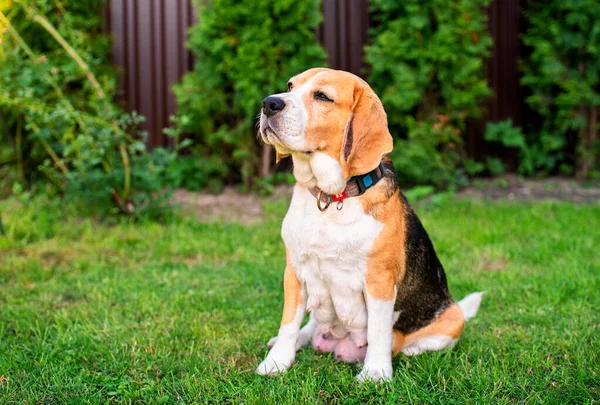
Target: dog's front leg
282	354
380	297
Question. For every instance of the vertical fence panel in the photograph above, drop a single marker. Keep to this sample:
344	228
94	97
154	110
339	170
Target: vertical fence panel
130	72
145	71
503	73
173	49
158	75
149	48
116	23
344	33
503	76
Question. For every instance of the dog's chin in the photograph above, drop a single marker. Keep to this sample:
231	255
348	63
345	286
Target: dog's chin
266	134
270	137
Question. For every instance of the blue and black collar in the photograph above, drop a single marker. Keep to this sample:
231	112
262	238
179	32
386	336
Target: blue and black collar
357	185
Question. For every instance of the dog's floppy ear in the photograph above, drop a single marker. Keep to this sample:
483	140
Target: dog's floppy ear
367	137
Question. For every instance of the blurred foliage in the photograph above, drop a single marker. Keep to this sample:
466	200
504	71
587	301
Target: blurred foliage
427	65
529	156
245	50
62	134
57	117
563	75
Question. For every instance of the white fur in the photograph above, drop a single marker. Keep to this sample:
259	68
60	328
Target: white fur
430	344
282	354
328	173
302	170
470	305
329	251
378	362
304	337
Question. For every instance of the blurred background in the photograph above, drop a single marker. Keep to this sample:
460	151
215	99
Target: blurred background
111	104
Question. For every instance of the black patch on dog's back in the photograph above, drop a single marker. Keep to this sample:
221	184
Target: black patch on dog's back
423	292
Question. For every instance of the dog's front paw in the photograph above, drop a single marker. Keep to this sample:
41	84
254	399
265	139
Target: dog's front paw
273	366
375	374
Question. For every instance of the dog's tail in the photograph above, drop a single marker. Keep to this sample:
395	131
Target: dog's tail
470	305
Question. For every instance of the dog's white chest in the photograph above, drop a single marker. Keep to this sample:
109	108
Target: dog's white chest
329	251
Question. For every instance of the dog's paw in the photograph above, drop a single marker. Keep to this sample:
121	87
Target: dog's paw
271	342
412	350
303	341
375	374
429	344
272	366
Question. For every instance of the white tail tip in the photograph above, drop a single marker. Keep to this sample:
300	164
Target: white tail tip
470	305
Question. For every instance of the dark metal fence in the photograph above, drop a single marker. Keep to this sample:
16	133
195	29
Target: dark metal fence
149	45
149	39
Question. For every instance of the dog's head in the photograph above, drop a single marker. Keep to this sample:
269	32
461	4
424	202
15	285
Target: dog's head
333	125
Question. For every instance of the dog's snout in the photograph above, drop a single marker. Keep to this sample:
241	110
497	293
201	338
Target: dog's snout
272	105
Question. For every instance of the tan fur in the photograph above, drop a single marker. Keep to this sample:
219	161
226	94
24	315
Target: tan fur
292	292
448	323
385	267
398	342
371	138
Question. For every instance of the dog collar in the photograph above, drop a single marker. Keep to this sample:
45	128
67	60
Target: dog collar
357	185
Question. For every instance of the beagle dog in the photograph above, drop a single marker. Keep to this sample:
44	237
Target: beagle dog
357	256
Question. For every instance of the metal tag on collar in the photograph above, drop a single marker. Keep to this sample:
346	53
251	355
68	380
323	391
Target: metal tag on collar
319	206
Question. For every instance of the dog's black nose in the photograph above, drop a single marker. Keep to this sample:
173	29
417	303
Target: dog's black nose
272	105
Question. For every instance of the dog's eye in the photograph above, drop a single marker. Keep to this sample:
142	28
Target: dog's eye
319	95
290	86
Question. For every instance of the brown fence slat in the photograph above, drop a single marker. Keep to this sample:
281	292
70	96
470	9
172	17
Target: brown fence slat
503	78
158	62
116	24
330	37
173	49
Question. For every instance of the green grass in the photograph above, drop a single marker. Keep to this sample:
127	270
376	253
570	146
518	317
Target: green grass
181	313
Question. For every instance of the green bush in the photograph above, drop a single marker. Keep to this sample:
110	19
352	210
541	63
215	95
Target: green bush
563	75
245	50
57	116
427	65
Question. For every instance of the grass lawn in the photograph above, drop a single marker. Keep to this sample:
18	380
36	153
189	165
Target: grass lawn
181	313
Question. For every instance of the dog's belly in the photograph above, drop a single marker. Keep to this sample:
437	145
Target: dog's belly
329	251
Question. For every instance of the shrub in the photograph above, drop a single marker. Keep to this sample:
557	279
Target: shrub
427	65
245	50
505	133
56	108
563	75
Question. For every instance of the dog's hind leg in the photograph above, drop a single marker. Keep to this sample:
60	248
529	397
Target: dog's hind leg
443	333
